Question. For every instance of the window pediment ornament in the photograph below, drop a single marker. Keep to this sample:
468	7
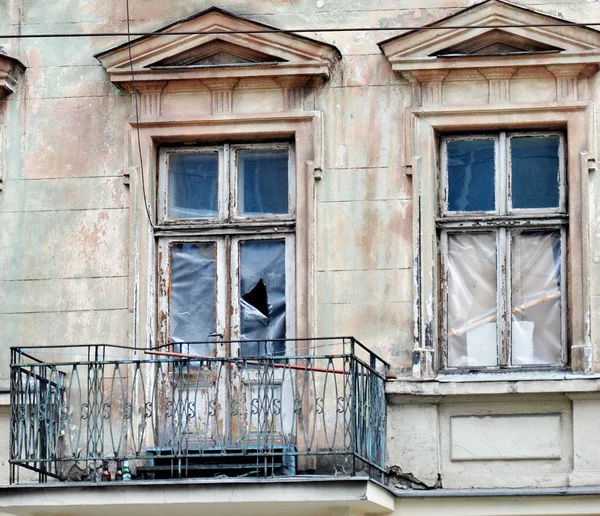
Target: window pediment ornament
10	69
461	48
199	57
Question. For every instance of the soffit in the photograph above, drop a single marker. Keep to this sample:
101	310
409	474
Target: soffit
455	48
164	57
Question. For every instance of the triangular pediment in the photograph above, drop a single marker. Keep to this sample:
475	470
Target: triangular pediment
218	44
496	42
471	33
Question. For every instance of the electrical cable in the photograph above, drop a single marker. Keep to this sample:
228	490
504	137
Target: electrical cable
297	31
137	121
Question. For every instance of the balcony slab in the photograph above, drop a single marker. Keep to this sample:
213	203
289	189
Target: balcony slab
219	497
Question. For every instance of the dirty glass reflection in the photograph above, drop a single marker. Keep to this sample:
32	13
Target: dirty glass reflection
193	184
472	300
471	175
262	296
193	295
534	169
263	181
536	286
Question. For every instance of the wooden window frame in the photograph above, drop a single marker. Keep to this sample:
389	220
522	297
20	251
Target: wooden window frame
504	221
226	230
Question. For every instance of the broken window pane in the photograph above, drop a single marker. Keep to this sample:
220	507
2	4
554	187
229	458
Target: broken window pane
262	181
536	288
471	273
193	184
262	297
193	295
471	175
535	171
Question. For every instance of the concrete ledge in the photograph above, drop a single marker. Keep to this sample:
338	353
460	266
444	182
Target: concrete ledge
484	384
293	496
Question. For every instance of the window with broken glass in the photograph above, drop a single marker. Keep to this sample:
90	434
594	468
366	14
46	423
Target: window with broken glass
226	254
502	230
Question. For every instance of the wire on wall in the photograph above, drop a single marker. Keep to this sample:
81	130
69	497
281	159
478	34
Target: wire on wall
137	119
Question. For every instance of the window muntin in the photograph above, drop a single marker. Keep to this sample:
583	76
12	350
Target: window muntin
226	183
220	276
504	301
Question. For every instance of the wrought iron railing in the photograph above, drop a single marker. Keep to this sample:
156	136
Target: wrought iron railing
173	412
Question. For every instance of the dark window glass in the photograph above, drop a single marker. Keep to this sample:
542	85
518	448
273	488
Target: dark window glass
262	182
193	185
471	175
534	171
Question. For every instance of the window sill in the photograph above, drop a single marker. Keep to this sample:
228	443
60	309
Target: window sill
476	384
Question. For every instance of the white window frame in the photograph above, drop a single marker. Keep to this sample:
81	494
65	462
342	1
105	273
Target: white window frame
504	222
227	184
226	230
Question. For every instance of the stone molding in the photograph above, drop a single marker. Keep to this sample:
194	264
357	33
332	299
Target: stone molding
418	55
10	69
274	55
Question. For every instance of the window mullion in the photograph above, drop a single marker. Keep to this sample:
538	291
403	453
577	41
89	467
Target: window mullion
227	176
503	296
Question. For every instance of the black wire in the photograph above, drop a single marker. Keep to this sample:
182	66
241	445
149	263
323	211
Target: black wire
137	120
297	31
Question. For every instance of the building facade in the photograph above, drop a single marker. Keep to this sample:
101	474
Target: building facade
320	257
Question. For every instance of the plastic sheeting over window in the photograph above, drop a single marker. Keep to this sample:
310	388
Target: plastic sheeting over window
535	171
536	297
472	330
192	306
262	297
471	175
263	181
193	184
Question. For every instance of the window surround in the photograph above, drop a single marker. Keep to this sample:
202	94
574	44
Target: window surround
504	223
303	128
183	63
466	92
426	124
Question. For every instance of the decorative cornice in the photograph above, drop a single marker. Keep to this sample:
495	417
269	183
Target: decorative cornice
498	83
10	69
222	94
456	49
165	57
567	79
293	91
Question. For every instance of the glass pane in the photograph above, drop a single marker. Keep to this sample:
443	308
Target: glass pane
471	175
263	182
535	165
193	185
471	272
536	286
192	306
262	297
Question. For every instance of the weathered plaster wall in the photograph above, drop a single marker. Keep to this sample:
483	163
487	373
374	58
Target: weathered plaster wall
64	207
64	217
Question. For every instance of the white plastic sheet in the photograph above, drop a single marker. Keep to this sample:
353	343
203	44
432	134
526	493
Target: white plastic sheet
471	271
262	297
192	306
536	288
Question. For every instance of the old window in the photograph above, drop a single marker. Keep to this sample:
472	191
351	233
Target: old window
503	231
228	256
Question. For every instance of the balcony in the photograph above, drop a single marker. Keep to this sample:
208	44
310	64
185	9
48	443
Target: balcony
190	411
